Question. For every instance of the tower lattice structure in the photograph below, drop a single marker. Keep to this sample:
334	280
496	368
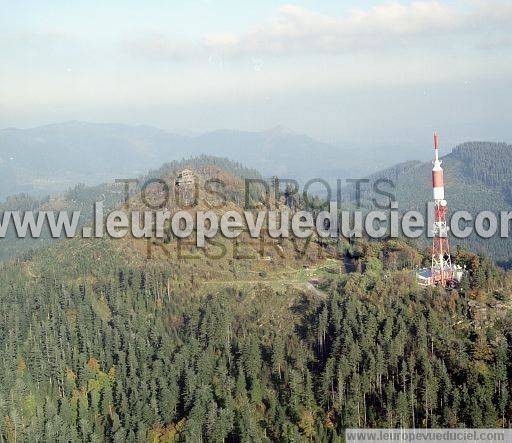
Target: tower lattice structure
442	269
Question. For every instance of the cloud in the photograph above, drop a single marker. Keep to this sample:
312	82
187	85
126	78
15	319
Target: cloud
158	46
298	30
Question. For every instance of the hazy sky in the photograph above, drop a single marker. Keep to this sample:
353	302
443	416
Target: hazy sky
372	71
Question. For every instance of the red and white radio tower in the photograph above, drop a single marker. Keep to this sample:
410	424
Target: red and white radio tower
442	272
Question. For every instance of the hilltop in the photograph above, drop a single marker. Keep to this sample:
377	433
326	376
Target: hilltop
82	198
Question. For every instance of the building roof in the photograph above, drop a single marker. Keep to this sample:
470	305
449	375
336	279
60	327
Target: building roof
425	273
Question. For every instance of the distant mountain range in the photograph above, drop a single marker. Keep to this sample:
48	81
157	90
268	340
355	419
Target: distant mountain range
54	157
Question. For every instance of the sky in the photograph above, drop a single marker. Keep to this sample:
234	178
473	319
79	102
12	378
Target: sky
377	72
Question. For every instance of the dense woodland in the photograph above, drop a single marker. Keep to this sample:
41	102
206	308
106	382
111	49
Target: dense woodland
487	162
100	351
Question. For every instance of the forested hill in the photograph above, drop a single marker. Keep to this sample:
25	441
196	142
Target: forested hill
489	163
102	341
82	198
477	176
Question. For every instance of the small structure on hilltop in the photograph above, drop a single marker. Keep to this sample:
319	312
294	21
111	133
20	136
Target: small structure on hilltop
185	177
186	190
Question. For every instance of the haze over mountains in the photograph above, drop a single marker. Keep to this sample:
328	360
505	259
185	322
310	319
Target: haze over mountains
54	157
